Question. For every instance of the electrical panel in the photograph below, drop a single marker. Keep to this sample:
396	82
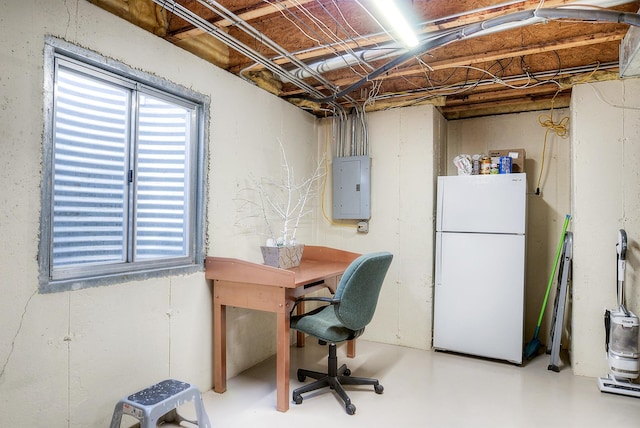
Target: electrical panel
352	187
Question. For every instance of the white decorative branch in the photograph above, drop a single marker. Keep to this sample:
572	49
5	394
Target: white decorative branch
283	202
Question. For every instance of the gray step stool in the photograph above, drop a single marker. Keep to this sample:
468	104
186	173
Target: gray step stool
160	401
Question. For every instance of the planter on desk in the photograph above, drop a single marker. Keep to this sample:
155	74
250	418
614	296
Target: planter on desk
284	257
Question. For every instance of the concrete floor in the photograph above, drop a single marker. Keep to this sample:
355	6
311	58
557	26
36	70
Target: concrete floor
422	388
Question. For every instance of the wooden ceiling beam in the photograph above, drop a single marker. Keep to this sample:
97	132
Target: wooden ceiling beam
495	98
517	106
562	44
494	92
502	94
568	43
253	14
262	11
487	98
561	99
436	25
498	92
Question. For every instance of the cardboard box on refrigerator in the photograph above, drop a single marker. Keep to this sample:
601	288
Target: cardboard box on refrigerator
517	158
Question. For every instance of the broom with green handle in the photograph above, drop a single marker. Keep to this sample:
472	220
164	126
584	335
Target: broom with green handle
531	349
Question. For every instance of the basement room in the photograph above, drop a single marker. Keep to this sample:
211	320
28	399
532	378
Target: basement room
232	213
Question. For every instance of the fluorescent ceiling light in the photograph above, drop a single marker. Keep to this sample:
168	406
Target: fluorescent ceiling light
393	15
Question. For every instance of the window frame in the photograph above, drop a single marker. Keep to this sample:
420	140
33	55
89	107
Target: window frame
88	276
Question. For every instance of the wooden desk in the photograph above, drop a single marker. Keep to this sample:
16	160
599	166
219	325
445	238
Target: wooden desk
256	286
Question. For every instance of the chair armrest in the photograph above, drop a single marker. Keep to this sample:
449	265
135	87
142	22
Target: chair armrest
329	300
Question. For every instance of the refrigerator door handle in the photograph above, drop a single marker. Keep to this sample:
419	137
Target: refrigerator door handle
438	259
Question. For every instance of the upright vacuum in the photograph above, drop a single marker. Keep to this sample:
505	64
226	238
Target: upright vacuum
621	344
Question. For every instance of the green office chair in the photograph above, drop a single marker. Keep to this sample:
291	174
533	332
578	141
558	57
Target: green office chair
344	318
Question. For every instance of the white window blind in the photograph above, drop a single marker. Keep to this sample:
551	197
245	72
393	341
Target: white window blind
90	169
161	187
126	188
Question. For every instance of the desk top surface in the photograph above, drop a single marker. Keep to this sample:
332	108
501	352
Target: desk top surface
317	263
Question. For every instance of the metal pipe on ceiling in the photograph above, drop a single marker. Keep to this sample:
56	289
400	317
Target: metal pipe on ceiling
363	56
237	22
460	87
366	38
199	22
348	60
394	49
270	65
430	41
489	26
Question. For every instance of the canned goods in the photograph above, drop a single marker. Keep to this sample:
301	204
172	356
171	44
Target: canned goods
495	168
505	164
475	169
485	165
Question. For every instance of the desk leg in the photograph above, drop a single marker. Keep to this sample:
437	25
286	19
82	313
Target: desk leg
283	361
351	348
219	347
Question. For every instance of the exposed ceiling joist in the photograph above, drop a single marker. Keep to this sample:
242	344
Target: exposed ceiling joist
282	36
250	15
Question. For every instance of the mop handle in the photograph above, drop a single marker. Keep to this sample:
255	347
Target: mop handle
555	264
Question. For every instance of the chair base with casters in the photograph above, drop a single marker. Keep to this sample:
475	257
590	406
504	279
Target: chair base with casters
343	317
334	379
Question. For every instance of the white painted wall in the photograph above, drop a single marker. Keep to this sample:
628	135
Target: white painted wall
403	160
66	358
546	212
76	353
606	198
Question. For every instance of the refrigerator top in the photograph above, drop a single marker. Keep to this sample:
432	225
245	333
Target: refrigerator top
482	203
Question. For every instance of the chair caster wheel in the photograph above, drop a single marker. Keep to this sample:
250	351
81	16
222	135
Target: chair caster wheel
297	399
350	408
378	388
301	377
347	372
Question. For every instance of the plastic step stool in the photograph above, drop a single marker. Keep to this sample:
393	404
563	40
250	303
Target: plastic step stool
161	399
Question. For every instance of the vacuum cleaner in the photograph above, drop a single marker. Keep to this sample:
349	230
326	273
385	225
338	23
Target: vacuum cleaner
622	332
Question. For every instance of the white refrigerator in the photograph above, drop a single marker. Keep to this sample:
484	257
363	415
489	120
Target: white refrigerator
480	265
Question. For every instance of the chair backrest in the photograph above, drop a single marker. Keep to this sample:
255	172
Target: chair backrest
359	289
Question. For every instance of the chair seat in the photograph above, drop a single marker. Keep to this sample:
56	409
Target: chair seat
324	325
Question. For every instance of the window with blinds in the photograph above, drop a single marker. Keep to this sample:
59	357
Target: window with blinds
125	177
